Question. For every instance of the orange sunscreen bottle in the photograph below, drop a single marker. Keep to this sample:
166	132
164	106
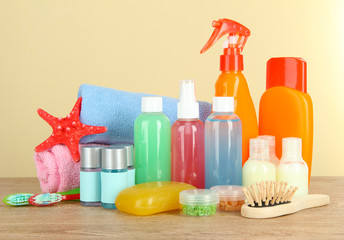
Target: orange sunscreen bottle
232	82
286	109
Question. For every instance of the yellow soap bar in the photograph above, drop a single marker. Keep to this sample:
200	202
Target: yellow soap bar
149	198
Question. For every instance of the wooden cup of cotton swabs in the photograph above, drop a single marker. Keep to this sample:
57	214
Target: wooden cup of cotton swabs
273	199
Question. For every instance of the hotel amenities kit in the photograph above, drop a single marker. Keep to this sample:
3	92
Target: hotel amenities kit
200	164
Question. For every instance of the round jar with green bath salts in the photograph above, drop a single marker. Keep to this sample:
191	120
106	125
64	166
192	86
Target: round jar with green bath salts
199	202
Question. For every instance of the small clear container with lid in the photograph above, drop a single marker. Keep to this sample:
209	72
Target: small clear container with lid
231	197
199	202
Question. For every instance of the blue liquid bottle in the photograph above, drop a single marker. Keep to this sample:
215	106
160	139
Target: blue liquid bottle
223	159
130	163
90	167
114	175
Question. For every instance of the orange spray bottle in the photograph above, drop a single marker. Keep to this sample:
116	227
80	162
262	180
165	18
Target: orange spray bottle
232	82
286	109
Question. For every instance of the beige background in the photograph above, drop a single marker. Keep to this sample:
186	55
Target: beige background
49	48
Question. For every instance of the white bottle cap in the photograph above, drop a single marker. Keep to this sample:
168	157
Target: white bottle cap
272	142
291	147
223	104
187	105
151	104
259	149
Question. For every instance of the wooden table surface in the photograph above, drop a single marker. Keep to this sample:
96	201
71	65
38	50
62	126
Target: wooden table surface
69	220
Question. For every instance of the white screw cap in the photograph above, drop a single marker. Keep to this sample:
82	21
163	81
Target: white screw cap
151	104
291	147
259	149
223	104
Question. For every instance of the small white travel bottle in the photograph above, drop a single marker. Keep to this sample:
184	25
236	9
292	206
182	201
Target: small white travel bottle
292	168
258	167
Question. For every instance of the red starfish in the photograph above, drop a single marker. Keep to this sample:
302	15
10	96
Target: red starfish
67	131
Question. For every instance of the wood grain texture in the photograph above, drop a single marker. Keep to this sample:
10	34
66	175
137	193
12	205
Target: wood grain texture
69	220
297	204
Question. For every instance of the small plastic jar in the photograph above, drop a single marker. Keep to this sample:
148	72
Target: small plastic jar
231	197
199	202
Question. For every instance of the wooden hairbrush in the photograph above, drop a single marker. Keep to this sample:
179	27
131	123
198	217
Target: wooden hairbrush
271	199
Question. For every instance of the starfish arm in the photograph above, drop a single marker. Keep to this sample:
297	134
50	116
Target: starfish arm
50	119
76	109
73	147
50	142
68	131
95	129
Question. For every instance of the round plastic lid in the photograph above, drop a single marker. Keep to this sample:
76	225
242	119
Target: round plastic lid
287	72
229	191
291	147
223	104
270	138
151	104
272	142
199	197
259	149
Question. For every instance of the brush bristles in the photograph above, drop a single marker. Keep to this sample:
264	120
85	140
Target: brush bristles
18	199
268	193
47	198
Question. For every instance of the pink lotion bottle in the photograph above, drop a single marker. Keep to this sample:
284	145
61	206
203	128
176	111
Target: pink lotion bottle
187	139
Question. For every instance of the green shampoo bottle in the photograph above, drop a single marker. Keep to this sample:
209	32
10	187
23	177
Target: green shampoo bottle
152	142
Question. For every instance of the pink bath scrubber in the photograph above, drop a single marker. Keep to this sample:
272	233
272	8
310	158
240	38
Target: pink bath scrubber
56	170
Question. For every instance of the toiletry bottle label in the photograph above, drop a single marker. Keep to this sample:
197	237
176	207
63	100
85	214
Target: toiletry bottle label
112	184
90	186
131	177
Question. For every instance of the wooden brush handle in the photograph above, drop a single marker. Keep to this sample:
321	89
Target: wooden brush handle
297	204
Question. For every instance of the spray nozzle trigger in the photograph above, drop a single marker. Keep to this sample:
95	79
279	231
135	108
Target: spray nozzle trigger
237	34
187	91
187	106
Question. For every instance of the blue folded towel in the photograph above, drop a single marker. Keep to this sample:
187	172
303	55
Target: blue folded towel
117	110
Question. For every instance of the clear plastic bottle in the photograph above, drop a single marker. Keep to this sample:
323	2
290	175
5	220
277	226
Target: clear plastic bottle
152	141
232	81
272	148
292	168
187	139
223	161
258	167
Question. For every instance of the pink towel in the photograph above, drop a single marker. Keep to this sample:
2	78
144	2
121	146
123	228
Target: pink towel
56	170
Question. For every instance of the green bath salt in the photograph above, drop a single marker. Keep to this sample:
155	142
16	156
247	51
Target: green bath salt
199	202
199	210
